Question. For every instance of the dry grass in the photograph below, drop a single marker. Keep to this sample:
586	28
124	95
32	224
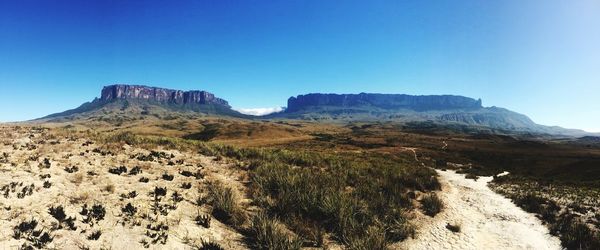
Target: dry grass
225	204
431	204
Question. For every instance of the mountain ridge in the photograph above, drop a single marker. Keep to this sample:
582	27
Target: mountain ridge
368	107
384	101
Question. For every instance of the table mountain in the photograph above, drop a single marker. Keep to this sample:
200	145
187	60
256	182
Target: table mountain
442	109
383	101
162	95
126	100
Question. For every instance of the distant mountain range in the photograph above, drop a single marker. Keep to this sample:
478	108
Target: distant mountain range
439	109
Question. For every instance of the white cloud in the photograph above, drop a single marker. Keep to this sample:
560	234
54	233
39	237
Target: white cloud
259	111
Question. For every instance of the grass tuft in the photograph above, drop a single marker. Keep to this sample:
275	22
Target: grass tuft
225	206
268	234
432	204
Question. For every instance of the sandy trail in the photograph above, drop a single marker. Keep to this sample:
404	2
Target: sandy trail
487	220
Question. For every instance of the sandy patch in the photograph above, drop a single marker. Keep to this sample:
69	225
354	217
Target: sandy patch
487	220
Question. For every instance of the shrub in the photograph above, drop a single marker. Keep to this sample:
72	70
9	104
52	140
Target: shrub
167	177
72	169
158	233
210	245
59	214
45	164
135	170
118	170
268	234
129	210
176	197
432	204
95	235
27	230
203	220
453	228
94	214
225	206
400	229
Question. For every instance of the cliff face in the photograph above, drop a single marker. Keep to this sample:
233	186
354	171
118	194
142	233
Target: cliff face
383	101
121	91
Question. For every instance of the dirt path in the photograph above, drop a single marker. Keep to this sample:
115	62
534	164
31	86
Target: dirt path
487	220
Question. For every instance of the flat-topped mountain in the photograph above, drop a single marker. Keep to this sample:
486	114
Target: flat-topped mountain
440	109
122	102
383	101
125	101
122	91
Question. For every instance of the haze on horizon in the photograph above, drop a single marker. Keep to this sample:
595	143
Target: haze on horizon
539	58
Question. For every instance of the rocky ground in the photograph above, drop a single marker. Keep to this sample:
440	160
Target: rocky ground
66	192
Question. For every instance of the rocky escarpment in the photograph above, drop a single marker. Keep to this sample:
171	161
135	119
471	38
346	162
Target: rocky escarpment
383	101
129	99
121	91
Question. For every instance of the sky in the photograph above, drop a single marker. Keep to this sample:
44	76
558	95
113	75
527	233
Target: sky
540	58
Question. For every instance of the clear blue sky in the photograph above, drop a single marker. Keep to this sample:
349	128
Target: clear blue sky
540	58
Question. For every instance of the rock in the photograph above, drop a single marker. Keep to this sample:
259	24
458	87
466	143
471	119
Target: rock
121	91
384	101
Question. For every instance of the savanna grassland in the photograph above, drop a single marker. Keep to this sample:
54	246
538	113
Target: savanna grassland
68	187
183	181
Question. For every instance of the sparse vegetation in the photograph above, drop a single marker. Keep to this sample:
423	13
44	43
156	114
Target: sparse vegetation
562	207
34	237
351	188
157	233
92	215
